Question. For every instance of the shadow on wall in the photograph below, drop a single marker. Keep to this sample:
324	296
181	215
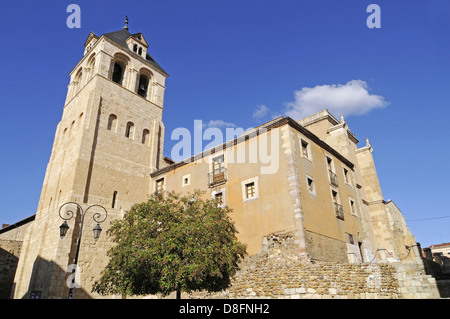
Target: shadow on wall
8	266
49	281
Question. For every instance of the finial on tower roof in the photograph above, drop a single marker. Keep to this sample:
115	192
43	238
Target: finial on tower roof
126	23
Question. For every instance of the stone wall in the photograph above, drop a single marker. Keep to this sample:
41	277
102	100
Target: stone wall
9	257
277	273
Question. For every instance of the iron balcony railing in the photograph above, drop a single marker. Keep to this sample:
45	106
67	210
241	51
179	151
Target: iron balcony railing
333	178
339	211
216	178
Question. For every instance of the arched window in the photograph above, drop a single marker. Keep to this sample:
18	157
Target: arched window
140	51
143	85
112	123
71	128
117	75
129	132
91	65
77	82
145	134
118	68
135	47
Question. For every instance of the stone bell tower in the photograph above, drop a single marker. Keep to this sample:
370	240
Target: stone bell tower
109	140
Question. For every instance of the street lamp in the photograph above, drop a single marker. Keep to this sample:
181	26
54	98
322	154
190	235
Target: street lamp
69	214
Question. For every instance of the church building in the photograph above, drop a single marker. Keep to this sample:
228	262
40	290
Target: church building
304	178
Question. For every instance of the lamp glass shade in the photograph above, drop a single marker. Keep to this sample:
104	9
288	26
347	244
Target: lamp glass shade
63	229
97	231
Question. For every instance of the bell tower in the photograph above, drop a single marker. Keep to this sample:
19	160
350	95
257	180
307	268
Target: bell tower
109	140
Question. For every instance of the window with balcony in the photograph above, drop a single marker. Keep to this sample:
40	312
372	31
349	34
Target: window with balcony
337	205
331	172
218	174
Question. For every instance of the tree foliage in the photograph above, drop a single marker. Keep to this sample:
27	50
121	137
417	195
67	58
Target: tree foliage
172	243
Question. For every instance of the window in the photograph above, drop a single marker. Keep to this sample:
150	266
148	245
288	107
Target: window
219	198
186	180
346	176
117	75
331	173
352	206
330	164
114	198
350	239
159	186
218	173
140	50
335	196
305	149
135	47
112	123
337	205
311	185
250	190
129	132
36	294
143	85
145	134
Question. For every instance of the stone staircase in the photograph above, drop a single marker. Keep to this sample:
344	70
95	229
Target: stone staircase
413	283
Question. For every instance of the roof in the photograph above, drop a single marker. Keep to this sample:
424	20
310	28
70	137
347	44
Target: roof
17	224
120	37
278	122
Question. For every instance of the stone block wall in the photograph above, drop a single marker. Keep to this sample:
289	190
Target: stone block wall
9	257
277	273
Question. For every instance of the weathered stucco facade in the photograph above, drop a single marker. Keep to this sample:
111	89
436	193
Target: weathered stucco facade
305	178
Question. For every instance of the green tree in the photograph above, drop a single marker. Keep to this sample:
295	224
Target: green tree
172	243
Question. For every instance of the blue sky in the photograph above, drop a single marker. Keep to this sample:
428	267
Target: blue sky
227	59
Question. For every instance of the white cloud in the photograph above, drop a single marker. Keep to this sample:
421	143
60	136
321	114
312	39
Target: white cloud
219	123
260	112
340	99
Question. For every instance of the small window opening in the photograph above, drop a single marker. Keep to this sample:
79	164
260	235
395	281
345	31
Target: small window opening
112	122
330	164
352	207
145	134
129	130
346	177
305	149
310	185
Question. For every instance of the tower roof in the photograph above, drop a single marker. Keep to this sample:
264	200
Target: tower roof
120	37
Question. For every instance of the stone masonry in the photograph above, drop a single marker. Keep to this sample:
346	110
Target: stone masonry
277	273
